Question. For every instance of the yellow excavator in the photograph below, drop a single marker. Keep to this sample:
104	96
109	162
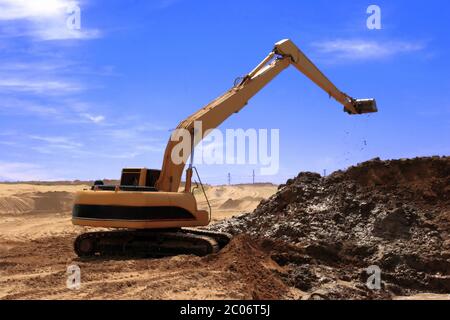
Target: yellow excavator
150	214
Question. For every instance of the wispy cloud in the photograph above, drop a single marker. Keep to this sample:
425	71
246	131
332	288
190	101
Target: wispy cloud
54	31
41	19
25	9
61	111
47	87
94	119
58	141
40	66
134	144
130	129
21	171
54	66
345	49
15	106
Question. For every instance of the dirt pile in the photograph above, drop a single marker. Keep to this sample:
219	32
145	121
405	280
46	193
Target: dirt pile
246	262
327	231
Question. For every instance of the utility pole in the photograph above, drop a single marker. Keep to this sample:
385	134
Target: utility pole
324	172
253	176
229	178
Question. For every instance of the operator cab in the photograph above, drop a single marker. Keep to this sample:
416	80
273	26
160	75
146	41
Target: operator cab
133	179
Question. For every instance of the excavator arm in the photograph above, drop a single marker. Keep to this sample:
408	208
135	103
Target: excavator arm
213	114
287	48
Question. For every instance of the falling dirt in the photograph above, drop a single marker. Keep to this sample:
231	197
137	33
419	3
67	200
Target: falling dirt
327	231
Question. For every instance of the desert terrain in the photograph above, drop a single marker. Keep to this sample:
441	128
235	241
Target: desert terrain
36	238
311	238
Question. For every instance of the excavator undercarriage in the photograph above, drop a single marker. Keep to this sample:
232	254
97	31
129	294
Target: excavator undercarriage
150	243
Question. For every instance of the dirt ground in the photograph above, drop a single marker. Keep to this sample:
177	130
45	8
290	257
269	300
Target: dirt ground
311	238
36	238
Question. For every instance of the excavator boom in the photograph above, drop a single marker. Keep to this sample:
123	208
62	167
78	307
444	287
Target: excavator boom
213	114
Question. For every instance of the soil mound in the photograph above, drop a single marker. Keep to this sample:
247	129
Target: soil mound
391	214
252	265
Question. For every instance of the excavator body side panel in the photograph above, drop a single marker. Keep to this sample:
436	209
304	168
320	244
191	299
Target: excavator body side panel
137	210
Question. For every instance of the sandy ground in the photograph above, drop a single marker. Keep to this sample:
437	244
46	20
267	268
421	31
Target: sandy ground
36	238
229	201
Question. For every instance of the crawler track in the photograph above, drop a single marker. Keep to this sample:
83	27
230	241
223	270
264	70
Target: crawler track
222	238
150	243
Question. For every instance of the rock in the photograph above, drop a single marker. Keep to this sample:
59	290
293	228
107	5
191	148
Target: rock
394	224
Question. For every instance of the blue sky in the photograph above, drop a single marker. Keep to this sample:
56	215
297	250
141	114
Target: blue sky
82	104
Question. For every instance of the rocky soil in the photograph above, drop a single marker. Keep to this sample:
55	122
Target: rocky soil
325	232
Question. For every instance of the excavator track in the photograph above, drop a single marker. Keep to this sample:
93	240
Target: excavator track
149	243
222	238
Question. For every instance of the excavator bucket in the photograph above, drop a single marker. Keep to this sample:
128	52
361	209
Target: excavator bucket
365	106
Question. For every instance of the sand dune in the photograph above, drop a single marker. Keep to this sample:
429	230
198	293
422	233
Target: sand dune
228	201
28	198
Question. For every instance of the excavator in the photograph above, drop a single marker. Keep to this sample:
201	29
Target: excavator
150	213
